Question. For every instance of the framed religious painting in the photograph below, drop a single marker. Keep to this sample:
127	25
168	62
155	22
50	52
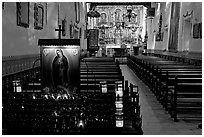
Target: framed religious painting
200	29
196	31
38	16
60	65
64	27
22	14
77	12
3	5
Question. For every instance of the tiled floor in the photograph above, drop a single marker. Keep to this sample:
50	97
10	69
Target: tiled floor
155	120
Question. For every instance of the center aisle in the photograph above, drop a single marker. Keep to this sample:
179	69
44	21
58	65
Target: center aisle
155	120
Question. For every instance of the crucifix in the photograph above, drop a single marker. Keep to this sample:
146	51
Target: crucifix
60	30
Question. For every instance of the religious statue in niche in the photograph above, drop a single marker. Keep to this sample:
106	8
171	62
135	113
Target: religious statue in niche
60	68
103	18
134	18
117	14
118	32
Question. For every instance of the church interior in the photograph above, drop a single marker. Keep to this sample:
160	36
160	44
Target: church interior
101	68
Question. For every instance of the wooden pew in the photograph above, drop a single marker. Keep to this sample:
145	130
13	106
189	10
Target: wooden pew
96	70
158	74
184	57
186	101
150	74
160	81
169	84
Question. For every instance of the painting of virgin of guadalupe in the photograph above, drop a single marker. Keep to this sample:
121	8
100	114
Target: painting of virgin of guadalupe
60	69
60	65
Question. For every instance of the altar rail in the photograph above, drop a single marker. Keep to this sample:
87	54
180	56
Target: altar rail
191	58
121	59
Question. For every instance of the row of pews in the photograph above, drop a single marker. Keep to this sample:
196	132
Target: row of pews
184	57
99	73
176	85
93	71
131	106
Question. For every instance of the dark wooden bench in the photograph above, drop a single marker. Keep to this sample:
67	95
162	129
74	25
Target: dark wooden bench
186	101
165	93
161	79
151	72
96	70
160	74
184	57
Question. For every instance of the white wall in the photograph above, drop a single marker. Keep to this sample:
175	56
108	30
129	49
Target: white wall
166	24
185	36
18	40
186	40
163	9
151	35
